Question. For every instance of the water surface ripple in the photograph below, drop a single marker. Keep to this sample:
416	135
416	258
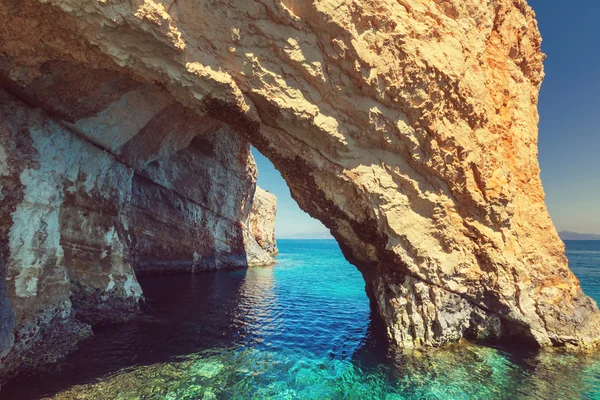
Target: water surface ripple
299	330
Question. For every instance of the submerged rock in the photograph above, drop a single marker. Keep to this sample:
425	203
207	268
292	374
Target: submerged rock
408	128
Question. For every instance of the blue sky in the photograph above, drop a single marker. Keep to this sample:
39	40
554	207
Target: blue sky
291	221
570	112
569	125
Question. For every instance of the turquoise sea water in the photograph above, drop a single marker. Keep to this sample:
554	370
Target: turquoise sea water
301	329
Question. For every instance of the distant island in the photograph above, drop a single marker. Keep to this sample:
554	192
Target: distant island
566	235
308	236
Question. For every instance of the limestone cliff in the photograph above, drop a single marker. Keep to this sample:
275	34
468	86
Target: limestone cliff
103	177
409	128
260	229
81	225
261	222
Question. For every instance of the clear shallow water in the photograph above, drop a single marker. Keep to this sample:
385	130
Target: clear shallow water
299	330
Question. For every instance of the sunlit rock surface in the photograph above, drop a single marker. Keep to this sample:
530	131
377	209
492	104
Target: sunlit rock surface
260	229
408	127
261	222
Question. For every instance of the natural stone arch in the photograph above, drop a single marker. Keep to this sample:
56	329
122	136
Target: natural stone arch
408	128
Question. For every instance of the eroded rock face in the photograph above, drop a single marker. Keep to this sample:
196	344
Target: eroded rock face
259	230
103	176
261	221
408	127
61	248
83	221
189	208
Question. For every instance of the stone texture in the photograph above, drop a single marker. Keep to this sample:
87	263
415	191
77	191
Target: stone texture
102	176
259	232
64	254
408	127
190	208
83	221
261	222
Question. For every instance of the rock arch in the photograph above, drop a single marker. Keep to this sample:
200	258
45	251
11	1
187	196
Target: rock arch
408	127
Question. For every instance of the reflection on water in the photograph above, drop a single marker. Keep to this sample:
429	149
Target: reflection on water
257	315
301	329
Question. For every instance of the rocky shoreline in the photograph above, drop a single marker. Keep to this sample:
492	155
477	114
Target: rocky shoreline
86	220
408	128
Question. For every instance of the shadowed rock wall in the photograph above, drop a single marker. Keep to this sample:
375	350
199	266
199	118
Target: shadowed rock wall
81	223
66	248
103	176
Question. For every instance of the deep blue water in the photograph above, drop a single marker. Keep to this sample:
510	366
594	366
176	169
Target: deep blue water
584	261
301	329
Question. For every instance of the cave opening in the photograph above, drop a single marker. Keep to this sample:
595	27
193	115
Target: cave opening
155	210
291	221
125	129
